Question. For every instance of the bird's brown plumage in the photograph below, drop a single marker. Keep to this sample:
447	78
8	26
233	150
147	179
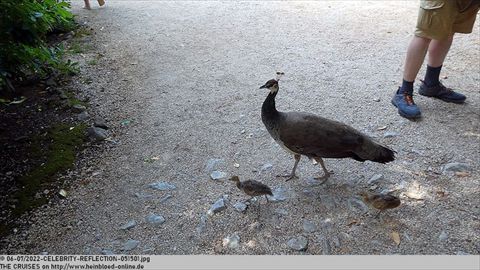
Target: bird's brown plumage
381	202
317	137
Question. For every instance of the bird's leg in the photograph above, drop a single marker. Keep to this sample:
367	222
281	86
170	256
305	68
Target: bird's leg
292	174
378	214
326	174
266	198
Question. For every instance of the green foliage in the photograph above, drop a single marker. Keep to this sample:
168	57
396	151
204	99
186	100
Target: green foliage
24	28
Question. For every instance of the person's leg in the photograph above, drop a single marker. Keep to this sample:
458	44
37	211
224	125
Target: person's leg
437	51
87	4
415	56
431	86
403	99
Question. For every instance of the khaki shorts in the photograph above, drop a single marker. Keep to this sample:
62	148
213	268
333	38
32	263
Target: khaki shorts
438	19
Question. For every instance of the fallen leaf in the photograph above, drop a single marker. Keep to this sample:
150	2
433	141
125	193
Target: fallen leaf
396	237
462	174
382	128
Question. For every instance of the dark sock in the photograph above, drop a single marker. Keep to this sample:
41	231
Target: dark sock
432	76
407	87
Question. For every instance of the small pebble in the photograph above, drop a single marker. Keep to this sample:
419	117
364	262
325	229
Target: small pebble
156	220
130	245
97	134
162	186
279	194
83	116
231	241
213	164
443	236
309	226
456	167
99	122
218	206
202	224
217	175
128	225
240	207
299	243
281	212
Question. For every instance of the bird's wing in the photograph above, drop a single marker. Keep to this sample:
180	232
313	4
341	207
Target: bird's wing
313	135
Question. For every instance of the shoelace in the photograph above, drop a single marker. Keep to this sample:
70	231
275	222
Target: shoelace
408	98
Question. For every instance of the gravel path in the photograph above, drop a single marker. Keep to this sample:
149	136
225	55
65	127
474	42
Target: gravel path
178	85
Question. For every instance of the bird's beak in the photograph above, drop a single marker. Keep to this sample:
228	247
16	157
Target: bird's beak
263	86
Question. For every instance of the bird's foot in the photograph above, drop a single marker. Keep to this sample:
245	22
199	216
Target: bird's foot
323	177
289	176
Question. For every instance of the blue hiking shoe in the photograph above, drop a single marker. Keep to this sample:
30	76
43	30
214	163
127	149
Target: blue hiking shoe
406	106
441	92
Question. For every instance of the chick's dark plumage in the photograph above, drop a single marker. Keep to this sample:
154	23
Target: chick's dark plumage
252	187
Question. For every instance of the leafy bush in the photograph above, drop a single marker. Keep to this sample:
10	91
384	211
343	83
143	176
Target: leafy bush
24	27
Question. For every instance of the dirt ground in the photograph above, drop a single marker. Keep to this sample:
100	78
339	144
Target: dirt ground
178	86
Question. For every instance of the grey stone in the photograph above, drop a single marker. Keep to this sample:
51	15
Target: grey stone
266	167
456	167
232	241
443	236
460	252
155	220
309	226
78	108
97	134
281	211
83	116
357	205
130	245
336	241
213	164
326	249
130	224
162	186
99	122
299	243
240	207
375	178
390	134
165	198
202	224
218	206
217	175
143	196
279	194
107	252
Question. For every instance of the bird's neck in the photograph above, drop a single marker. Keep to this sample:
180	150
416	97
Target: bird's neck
239	184
268	108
